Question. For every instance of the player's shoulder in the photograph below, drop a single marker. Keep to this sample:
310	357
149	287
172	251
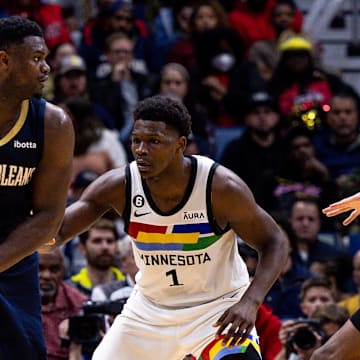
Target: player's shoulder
114	177
55	113
108	187
225	179
56	118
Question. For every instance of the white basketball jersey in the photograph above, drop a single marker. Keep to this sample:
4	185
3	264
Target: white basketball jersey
184	258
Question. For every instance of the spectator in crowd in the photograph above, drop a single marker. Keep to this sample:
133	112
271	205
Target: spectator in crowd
338	145
47	14
265	53
222	78
331	317
117	16
97	149
171	25
284	296
298	84
85	9
98	246
75	261
205	15
316	291
338	271
58	302
119	289
305	219
267	323
174	81
121	89
257	154
54	58
94	31
265	56
72	22
301	174
80	183
353	303
71	79
301	339
344	344
286	16
252	19
268	326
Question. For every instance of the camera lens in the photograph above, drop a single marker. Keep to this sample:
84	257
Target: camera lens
304	338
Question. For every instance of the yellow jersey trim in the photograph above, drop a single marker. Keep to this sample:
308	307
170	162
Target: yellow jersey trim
18	125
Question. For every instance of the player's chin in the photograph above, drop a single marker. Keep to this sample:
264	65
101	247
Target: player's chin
145	172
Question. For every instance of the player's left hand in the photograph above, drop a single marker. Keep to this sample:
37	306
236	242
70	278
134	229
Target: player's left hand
241	319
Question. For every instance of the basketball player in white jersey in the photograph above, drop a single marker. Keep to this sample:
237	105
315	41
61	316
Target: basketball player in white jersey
192	290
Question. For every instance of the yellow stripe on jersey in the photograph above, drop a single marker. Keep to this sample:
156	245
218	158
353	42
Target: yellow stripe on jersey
188	238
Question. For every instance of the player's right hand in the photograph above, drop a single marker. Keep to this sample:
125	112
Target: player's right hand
351	203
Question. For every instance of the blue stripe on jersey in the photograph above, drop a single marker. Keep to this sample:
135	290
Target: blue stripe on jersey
202	228
158	246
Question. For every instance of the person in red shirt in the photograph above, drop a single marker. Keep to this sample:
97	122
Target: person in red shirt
48	16
253	20
58	302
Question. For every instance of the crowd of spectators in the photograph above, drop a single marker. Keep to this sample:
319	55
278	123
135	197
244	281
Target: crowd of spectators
241	66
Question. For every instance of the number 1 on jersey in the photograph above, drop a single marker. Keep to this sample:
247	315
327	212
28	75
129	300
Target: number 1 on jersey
174	278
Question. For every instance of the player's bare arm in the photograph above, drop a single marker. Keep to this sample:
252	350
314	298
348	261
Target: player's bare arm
343	345
105	193
234	204
50	185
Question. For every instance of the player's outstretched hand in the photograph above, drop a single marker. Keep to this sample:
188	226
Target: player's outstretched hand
241	319
351	203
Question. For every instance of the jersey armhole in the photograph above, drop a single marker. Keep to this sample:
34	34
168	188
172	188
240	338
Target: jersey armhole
212	221
37	107
126	212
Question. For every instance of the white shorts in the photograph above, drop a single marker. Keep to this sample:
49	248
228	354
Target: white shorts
146	331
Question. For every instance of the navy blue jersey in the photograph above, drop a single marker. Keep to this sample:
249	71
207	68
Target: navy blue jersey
20	153
21	149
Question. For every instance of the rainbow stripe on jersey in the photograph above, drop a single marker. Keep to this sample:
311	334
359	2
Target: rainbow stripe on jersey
181	237
216	351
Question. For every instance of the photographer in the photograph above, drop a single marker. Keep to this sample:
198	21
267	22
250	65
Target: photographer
82	332
302	337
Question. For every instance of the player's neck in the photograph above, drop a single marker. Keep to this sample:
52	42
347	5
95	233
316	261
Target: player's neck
167	191
9	115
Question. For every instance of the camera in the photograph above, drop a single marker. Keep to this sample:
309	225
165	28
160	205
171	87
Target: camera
304	337
86	328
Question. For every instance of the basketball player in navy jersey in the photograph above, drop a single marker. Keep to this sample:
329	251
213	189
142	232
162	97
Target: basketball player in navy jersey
36	148
192	292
